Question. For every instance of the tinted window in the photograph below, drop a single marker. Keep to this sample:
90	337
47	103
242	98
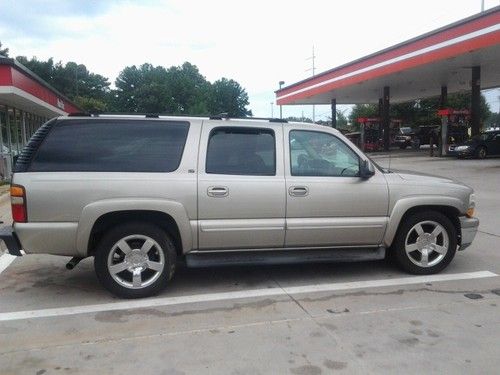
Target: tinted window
241	151
112	146
321	154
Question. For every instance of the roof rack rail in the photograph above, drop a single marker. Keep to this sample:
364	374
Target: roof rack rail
223	116
79	114
219	116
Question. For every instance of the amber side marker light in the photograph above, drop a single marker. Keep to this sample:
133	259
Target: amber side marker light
470	212
18	204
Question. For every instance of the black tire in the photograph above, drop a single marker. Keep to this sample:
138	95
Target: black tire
480	152
136	232
398	247
403	146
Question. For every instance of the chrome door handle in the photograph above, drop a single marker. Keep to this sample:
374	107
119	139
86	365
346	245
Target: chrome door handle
298	191
218	191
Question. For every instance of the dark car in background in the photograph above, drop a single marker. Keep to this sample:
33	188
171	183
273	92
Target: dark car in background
479	146
403	137
416	137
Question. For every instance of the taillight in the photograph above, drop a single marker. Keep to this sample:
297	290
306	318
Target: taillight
18	203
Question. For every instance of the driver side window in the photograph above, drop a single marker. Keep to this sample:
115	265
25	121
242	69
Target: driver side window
314	153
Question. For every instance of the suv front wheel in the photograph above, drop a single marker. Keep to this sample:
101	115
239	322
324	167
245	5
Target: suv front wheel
425	243
135	260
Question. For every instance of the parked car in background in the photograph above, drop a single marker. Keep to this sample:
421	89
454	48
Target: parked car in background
422	135
479	146
403	137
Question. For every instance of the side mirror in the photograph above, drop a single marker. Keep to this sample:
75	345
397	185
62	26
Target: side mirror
366	169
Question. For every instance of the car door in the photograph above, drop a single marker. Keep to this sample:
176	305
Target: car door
494	145
241	186
328	204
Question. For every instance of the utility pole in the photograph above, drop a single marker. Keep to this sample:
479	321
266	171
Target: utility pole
281	83
313	69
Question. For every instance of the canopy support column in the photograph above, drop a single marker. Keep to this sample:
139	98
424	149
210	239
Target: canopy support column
476	100
334	113
385	118
443	102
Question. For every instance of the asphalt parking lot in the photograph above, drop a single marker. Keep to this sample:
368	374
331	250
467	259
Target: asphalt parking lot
301	319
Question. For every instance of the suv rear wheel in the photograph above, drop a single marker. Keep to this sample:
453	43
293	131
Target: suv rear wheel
135	260
425	243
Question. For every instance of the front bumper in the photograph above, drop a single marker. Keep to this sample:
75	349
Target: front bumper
469	229
460	153
8	236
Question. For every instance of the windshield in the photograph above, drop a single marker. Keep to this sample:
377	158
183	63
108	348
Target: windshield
405	130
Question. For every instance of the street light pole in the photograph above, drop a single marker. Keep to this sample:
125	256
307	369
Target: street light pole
281	83
272	110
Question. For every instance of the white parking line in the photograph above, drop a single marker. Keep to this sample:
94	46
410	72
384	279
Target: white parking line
212	297
5	261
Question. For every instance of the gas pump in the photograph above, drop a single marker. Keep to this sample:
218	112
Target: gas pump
370	133
455	127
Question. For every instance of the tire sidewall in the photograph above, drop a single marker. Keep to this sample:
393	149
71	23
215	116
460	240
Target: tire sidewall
478	152
398	248
112	237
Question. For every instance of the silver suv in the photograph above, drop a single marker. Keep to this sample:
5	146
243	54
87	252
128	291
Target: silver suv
140	194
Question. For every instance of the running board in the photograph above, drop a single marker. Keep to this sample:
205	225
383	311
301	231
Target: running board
232	258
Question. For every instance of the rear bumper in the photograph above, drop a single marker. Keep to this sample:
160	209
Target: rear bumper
8	236
469	229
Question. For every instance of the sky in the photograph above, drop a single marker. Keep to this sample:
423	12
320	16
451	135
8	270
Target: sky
257	43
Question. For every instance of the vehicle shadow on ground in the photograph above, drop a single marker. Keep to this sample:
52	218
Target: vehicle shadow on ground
47	278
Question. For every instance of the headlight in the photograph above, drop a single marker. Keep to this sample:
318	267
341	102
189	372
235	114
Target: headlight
472	206
461	148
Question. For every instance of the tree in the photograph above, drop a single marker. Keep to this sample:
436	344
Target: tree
227	96
341	120
421	111
178	90
4	52
362	110
72	79
91	105
142	89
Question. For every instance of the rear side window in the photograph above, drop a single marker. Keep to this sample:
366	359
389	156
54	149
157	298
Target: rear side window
112	146
241	151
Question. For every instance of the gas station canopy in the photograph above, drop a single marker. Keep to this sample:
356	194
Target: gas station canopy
417	68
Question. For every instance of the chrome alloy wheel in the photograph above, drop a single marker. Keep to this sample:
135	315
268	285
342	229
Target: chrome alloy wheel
427	243
136	261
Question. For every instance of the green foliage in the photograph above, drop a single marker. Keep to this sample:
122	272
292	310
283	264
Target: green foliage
362	110
421	111
342	122
73	80
91	105
493	120
226	95
178	90
4	52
